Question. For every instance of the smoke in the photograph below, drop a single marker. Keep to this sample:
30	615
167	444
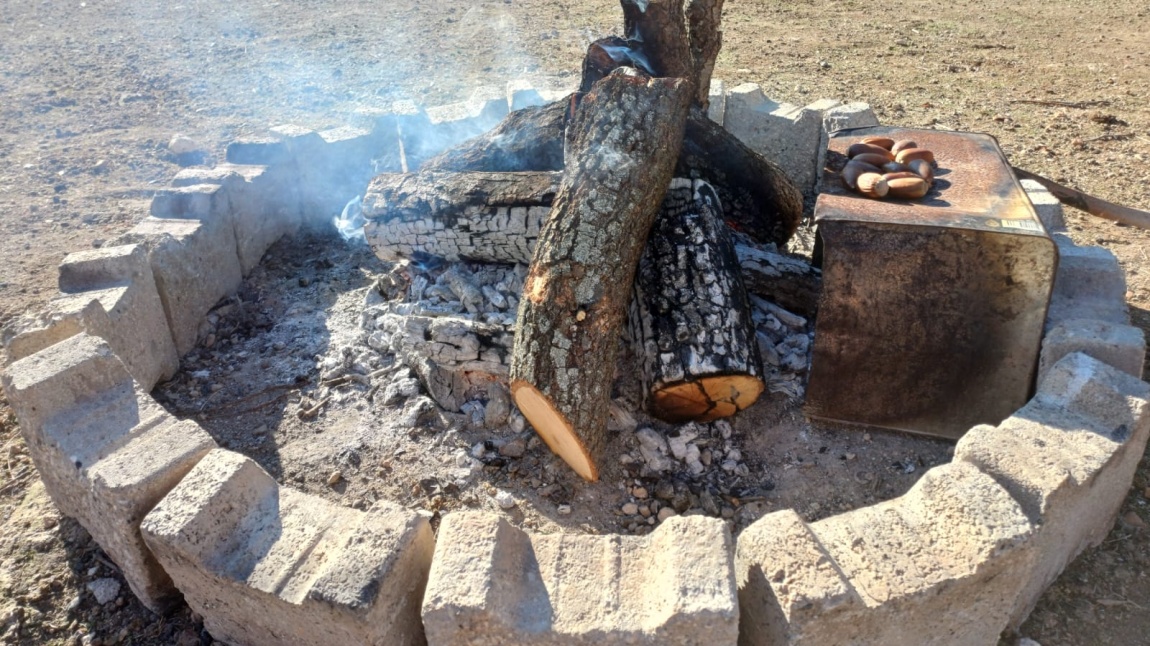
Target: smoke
350	222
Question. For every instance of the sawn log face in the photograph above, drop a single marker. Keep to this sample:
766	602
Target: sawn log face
625	138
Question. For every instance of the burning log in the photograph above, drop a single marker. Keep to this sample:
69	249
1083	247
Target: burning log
530	139
623	143
790	282
690	320
488	217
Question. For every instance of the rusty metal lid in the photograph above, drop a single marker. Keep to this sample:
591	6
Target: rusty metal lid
974	187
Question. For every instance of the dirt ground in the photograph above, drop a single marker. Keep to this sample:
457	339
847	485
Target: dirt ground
92	92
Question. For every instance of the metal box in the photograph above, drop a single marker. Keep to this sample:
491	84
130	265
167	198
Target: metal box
932	312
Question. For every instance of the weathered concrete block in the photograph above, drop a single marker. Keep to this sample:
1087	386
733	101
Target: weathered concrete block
455	123
1089	285
1068	457
787	582
492	584
264	564
1047	206
107	452
847	116
717	95
334	169
194	261
521	93
783	133
264	202
936	566
1121	346
110	293
257	151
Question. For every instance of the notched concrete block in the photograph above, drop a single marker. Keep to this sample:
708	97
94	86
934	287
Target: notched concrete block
1068	457
107	452
265	564
936	566
110	293
492	583
786	134
195	263
1121	346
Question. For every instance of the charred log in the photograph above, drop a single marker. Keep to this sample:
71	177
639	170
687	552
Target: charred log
625	136
489	217
690	320
703	20
788	281
530	139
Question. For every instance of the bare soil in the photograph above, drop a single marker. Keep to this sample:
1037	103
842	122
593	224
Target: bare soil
94	90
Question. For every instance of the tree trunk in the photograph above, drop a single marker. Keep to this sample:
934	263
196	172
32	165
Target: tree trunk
624	140
690	320
790	282
488	217
703	20
530	139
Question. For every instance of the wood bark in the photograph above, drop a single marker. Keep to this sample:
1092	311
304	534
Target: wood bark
530	139
489	217
792	283
624	140
703	20
691	324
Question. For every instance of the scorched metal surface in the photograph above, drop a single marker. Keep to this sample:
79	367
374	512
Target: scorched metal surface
932	310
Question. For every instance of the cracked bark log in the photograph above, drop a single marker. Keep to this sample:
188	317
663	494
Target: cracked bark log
530	139
690	320
489	217
790	282
623	143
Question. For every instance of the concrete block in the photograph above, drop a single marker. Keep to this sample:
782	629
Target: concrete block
838	116
783	133
1047	206
418	140
492	583
257	151
1068	457
521	93
787	582
938	565
264	202
107	452
265	564
1089	285
195	263
334	172
110	293
1121	346
717	95
455	123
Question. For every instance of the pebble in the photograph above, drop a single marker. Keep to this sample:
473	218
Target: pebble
564	510
645	511
505	500
514	449
665	513
630	509
1146	493
183	145
478	451
1134	520
105	590
640	493
334	478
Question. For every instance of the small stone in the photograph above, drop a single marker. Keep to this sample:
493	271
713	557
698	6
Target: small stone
640	493
1146	493
505	500
564	510
630	509
850	456
514	449
105	590
1134	520
478	451
334	478
184	145
666	513
729	466
644	511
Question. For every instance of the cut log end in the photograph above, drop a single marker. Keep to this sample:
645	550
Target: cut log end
554	428
706	399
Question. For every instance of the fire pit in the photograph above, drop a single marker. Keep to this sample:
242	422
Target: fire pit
353	406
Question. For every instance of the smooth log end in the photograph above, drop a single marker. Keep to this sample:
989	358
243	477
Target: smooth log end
705	399
553	427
